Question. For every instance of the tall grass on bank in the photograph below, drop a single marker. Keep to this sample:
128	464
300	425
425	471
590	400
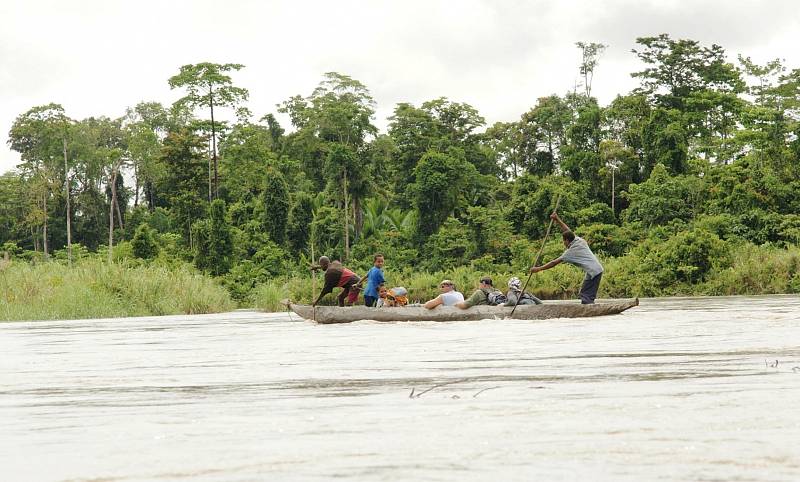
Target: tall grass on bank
749	270
92	288
758	270
268	296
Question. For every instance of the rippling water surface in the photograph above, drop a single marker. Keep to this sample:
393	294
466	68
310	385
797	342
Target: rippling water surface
676	389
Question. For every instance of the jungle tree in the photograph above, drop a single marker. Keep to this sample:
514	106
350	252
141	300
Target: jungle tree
208	85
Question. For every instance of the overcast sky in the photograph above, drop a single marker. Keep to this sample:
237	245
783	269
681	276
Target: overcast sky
97	57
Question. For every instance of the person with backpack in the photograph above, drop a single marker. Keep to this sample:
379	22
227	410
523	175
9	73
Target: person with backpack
515	296
486	294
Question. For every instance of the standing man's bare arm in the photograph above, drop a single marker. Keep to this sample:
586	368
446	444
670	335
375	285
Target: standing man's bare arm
564	227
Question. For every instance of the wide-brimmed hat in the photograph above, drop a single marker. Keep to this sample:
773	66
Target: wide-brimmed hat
447	282
515	284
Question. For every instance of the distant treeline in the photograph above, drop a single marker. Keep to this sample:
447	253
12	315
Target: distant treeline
672	178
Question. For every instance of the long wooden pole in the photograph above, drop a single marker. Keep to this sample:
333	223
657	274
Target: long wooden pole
313	281
538	257
346	220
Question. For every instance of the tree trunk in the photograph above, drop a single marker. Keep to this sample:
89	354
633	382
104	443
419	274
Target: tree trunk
136	186
119	214
213	142
111	214
612	193
148	185
209	180
44	228
66	193
358	215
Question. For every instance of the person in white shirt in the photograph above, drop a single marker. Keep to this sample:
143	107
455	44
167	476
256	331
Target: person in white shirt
449	296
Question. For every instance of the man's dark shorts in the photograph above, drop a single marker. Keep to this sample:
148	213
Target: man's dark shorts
589	289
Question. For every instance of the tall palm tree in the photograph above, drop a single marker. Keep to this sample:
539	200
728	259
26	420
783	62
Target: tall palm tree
374	217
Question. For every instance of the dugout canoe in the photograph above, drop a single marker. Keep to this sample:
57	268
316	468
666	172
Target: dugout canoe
335	314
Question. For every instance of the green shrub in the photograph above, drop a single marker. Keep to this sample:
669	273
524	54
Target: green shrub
662	198
595	213
692	254
607	239
726	226
450	246
267	263
144	244
11	248
395	246
268	296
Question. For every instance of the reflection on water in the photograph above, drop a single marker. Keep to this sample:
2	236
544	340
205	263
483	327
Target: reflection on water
676	389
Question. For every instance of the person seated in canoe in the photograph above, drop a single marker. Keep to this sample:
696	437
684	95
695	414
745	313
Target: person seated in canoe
375	281
486	294
448	296
393	298
337	275
578	254
515	296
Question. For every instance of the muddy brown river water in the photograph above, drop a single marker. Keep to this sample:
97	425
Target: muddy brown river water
676	389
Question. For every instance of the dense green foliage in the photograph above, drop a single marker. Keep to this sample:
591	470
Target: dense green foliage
144	242
679	185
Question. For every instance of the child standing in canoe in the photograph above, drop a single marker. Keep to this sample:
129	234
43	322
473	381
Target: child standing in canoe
375	280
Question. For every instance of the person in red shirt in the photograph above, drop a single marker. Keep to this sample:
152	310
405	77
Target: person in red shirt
337	275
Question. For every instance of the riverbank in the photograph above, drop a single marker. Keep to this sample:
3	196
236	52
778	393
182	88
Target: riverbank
91	288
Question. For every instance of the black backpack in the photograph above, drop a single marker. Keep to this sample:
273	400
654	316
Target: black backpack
495	298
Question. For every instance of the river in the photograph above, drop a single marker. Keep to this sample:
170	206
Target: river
676	389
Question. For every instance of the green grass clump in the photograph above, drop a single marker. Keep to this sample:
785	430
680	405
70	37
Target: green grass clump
268	296
92	288
757	270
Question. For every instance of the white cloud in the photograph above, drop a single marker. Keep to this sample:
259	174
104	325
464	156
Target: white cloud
98	57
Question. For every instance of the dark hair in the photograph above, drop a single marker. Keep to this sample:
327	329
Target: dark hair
375	258
487	281
568	236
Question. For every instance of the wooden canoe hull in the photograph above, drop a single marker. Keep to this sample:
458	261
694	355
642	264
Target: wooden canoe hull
335	314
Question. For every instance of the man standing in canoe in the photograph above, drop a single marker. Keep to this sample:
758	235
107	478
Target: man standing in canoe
337	275
578	254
